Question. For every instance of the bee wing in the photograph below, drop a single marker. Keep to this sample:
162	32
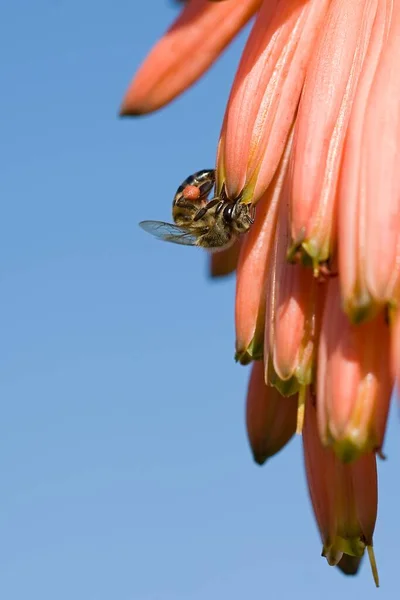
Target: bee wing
169	232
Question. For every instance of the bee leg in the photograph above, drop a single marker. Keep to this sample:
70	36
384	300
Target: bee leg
200	213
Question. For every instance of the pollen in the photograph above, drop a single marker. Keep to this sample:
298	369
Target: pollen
191	192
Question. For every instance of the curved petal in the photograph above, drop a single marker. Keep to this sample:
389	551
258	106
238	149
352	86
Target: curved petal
224	263
324	110
185	52
265	95
270	418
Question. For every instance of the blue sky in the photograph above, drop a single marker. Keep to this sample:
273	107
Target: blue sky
125	470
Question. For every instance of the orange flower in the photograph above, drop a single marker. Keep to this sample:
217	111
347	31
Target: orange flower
225	262
354	380
270	417
344	497
293	316
255	262
197	37
311	135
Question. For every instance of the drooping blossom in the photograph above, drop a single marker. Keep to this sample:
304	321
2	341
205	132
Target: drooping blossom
344	496
311	137
270	417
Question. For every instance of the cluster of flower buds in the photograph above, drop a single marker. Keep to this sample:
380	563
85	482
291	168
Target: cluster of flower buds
311	136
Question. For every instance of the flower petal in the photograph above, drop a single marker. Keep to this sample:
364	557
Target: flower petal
265	95
323	115
270	417
363	204
253	269
224	263
293	314
344	497
382	159
354	380
185	52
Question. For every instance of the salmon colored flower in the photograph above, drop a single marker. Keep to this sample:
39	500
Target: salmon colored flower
311	139
294	301
270	418
225	262
197	38
369	192
354	380
254	266
344	497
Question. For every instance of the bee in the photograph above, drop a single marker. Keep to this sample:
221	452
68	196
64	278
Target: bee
212	224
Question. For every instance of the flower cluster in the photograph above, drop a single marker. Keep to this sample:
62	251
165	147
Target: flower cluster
311	136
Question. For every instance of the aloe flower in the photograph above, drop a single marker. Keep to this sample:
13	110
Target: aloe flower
311	137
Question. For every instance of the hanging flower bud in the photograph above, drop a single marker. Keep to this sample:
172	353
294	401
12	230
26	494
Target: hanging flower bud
224	263
270	417
344	497
294	302
352	412
369	191
253	270
197	38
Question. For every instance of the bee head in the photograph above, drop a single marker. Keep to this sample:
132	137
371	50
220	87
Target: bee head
241	216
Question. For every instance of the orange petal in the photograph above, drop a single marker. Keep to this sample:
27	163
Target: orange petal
185	52
270	417
319	465
224	263
253	269
381	155
265	95
354	380
294	302
321	125
344	497
365	208
395	348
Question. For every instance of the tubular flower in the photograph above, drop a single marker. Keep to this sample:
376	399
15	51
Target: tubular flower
344	497
225	262
270	417
310	140
198	36
265	95
354	380
253	269
369	193
322	120
294	300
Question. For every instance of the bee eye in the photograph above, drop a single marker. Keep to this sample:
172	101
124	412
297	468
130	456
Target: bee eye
228	212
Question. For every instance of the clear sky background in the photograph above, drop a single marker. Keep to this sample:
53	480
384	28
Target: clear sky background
124	466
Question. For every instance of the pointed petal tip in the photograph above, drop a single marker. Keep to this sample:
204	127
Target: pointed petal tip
131	109
245	355
259	459
123	114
